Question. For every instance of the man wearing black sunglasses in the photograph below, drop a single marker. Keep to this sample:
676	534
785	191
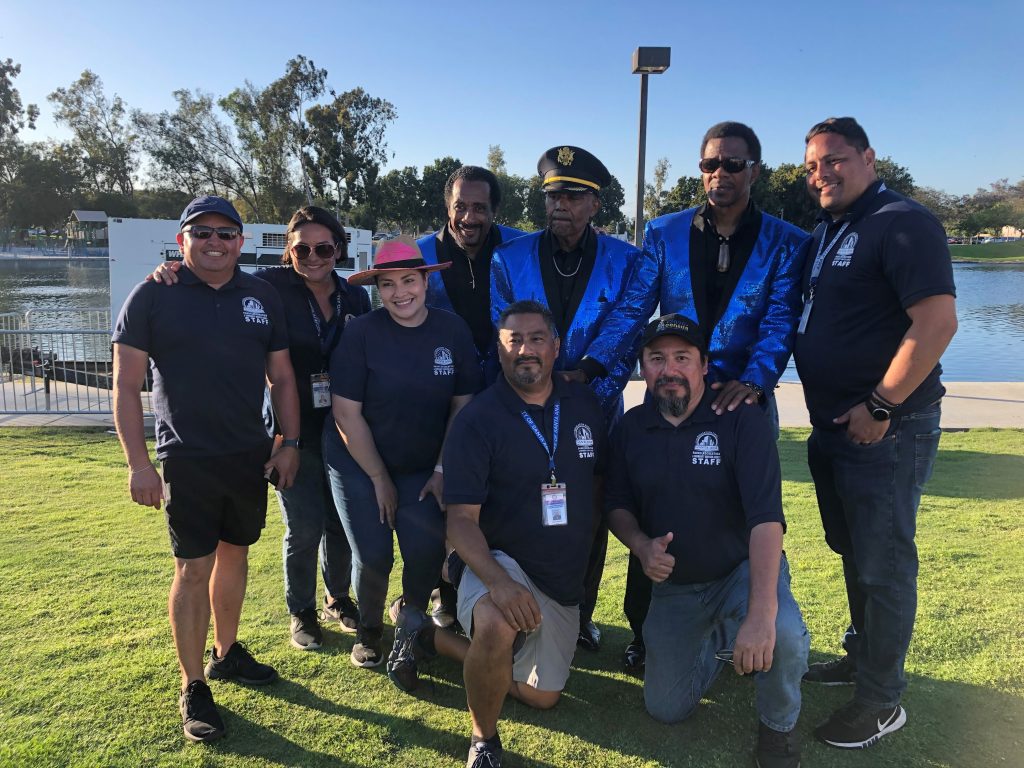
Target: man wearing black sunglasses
734	269
213	342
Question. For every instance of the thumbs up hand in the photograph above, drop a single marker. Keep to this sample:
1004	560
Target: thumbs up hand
657	562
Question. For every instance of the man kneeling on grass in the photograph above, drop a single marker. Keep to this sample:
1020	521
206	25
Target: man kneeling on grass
522	486
697	497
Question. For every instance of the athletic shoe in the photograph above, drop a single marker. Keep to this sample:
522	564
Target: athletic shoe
306	632
635	656
395	608
590	636
414	641
485	754
367	651
776	749
344	611
858	726
239	665
836	672
200	719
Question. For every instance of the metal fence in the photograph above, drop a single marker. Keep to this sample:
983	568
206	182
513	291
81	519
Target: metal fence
57	362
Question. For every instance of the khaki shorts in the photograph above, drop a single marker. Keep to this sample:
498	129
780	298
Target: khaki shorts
543	660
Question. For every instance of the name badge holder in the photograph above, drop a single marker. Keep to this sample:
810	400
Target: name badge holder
320	383
554	497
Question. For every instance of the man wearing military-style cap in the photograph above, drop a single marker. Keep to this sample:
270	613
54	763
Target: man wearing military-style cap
579	274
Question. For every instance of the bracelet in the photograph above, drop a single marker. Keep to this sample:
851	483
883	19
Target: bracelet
884	401
439	469
134	472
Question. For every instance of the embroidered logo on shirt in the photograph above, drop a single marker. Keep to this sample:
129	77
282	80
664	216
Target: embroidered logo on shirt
252	311
845	252
584	441
705	450
444	363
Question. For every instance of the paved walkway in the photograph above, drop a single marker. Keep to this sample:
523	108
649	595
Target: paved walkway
966	405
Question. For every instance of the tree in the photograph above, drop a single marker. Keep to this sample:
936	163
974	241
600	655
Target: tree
785	195
613	197
535	215
687	193
654	194
102	133
401	206
346	146
496	160
39	184
12	116
896	177
435	176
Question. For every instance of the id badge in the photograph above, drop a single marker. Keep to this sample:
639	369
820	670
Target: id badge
321	384
554	504
805	316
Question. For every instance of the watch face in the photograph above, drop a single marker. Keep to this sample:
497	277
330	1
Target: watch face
880	414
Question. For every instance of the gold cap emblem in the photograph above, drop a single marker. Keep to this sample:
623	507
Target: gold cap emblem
565	156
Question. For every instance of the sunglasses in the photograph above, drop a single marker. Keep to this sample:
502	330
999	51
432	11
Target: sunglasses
200	232
731	164
322	250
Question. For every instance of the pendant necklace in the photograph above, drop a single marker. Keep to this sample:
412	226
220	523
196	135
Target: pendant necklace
723	254
472	275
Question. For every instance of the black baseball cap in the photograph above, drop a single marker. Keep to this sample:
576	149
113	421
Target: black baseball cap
675	325
209	204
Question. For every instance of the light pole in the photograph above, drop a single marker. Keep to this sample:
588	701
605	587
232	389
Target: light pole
646	61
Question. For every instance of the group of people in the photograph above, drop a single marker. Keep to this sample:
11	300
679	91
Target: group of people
478	415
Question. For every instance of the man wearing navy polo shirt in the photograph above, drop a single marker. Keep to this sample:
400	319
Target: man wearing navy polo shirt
879	310
522	472
211	344
697	498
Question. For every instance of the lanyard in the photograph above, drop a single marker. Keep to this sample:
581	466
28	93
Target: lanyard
328	344
819	260
544	443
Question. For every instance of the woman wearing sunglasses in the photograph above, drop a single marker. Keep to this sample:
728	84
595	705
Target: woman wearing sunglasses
398	378
318	303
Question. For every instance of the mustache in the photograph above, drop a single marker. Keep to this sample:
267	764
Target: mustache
522	359
679	380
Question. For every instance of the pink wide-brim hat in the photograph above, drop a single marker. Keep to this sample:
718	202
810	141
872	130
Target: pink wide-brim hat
395	256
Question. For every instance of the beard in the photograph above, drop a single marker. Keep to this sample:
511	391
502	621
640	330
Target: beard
526	378
672	405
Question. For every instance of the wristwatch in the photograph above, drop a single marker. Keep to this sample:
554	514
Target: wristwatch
758	391
291	442
879	408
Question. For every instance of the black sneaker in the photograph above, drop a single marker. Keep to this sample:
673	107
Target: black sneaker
367	651
414	641
239	665
485	754
306	632
200	719
858	726
589	637
836	672
635	656
776	749
342	610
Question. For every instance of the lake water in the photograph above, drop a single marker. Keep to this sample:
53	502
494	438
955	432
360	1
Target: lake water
988	347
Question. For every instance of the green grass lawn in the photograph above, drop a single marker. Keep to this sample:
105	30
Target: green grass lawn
90	679
995	252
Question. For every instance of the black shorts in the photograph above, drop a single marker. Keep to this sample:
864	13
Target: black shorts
211	499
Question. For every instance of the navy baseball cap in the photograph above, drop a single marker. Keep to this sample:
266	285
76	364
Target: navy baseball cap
675	325
209	204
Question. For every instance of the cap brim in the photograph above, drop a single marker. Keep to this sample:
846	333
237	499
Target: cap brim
367	276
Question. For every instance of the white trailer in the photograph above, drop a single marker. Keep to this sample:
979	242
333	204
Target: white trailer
137	246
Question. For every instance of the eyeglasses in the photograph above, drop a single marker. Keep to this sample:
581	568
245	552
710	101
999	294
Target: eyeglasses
731	164
322	250
200	232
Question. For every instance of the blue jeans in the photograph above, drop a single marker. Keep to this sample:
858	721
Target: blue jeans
687	623
868	497
311	523
419	524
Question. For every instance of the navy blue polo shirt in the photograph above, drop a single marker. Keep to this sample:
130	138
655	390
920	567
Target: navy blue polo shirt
892	255
406	379
494	459
208	351
709	481
311	337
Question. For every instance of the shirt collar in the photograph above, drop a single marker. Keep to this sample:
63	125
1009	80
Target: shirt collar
511	399
703	217
858	209
188	277
582	245
651	418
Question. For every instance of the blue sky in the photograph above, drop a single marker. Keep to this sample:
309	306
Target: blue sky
939	86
